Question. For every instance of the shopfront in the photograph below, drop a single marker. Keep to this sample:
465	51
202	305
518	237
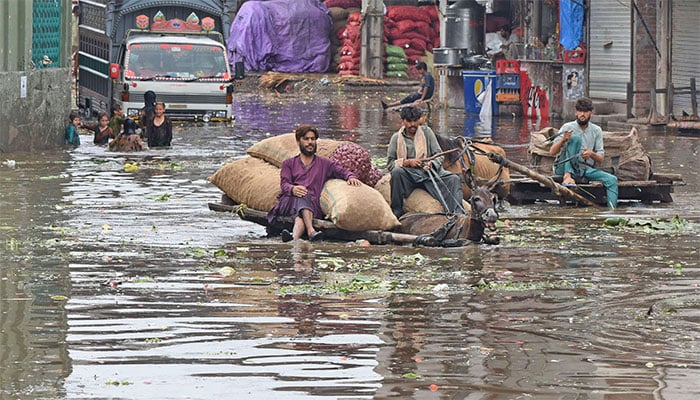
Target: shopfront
551	57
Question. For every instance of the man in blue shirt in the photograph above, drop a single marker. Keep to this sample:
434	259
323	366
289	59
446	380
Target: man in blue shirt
579	147
427	87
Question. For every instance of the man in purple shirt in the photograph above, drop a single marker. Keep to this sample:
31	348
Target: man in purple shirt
301	181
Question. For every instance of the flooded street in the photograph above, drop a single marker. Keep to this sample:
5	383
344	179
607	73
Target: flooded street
120	283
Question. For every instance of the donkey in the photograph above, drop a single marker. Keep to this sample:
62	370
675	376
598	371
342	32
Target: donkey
457	230
473	156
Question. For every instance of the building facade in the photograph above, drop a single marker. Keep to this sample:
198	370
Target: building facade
35	76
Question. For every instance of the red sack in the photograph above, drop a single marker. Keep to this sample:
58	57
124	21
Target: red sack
414	13
355	18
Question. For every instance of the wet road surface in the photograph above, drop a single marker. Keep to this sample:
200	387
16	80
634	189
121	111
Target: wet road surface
119	284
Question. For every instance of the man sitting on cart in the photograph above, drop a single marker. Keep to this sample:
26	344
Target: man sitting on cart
301	181
579	147
412	161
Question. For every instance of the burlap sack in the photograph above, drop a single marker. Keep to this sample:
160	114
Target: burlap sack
250	181
279	148
418	201
356	208
338	14
625	156
538	151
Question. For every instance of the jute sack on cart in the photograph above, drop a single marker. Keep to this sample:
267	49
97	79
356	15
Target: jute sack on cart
250	181
625	156
256	183
279	148
418	201
356	208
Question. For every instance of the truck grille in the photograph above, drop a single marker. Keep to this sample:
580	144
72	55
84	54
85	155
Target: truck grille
189	99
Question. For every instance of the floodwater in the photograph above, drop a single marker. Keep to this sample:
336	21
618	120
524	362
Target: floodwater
119	284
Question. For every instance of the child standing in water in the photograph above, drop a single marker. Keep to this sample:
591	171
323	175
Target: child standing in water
102	130
117	120
72	136
159	130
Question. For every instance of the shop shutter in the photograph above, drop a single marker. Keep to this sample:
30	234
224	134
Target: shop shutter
685	46
609	50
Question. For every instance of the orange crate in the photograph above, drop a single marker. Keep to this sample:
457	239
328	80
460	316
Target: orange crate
507	67
507	97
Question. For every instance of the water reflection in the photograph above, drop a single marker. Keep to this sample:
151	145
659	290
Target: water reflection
34	279
565	307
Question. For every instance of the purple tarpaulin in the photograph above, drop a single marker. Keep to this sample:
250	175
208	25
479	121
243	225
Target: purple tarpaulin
281	35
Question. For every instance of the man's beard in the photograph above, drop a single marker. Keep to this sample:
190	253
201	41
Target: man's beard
411	130
306	152
583	122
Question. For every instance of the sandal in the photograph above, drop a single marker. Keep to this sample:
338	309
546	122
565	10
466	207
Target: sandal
316	236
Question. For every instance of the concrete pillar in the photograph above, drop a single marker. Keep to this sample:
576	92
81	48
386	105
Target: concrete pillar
645	57
372	46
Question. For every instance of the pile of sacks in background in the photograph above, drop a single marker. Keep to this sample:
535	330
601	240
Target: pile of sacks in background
625	156
413	29
255	181
349	62
396	65
341	45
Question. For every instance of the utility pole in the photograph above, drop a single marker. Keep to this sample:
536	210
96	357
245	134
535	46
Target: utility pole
372	37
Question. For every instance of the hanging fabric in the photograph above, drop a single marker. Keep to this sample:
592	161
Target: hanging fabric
571	20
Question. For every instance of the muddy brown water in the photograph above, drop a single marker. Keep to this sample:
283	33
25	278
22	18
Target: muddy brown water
124	285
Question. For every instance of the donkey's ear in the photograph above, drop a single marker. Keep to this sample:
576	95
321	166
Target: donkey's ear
493	183
468	178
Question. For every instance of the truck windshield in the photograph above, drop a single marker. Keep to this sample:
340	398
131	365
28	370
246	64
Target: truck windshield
146	61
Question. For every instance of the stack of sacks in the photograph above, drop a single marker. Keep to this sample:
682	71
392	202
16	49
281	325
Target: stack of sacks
255	182
339	10
396	62
351	42
415	29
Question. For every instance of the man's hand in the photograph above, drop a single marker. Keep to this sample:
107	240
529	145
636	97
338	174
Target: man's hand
413	163
299	191
567	135
586	154
556	147
354	182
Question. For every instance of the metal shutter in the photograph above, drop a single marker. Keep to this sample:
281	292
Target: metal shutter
685	43
609	50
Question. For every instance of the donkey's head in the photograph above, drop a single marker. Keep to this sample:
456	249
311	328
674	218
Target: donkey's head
483	203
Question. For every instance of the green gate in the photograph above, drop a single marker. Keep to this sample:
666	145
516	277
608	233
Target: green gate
46	33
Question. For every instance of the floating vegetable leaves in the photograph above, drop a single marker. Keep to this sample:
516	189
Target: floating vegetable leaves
674	225
162	197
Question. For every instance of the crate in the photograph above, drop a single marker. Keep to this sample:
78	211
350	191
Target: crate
576	56
508	81
507	67
507	97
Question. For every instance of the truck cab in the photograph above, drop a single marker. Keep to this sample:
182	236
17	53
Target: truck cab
175	49
189	73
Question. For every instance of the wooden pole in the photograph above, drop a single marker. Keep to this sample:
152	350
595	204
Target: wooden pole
693	98
330	229
558	189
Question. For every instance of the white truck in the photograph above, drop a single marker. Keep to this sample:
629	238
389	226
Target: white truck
129	47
